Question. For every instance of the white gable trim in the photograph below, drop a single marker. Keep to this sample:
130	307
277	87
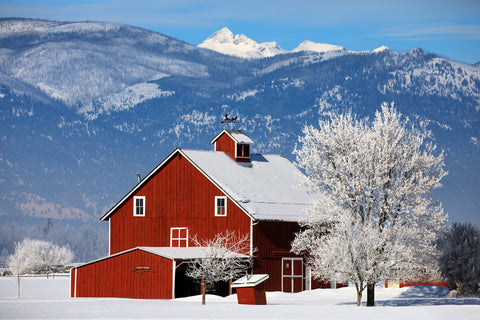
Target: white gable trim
107	215
140	184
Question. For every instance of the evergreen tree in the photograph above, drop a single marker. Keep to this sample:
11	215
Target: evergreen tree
460	257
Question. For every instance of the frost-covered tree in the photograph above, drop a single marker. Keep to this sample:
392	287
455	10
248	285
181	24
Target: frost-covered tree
37	256
223	258
375	219
460	257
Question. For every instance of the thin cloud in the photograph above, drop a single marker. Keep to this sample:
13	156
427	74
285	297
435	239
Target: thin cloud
465	31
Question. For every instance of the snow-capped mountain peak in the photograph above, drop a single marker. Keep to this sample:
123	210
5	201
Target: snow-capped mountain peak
381	49
224	41
223	35
308	45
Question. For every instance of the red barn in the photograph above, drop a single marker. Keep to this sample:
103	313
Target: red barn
200	193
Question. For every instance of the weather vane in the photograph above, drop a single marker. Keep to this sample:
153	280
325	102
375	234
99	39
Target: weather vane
231	120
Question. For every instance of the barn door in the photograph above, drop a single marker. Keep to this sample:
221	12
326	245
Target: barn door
292	274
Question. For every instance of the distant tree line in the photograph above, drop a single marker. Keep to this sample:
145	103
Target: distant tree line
460	257
86	242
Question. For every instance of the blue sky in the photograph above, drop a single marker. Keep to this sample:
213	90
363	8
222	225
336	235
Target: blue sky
450	28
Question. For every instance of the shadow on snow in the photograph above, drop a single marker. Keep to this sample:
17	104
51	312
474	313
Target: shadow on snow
427	296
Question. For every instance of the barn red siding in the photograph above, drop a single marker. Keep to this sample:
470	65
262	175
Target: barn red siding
272	241
72	282
178	195
118	277
226	144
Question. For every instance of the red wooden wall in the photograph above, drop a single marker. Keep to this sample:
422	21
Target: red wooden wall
118	277
178	195
422	283
226	144
252	295
272	241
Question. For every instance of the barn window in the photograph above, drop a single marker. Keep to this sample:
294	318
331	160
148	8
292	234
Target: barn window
179	237
139	206
243	151
221	206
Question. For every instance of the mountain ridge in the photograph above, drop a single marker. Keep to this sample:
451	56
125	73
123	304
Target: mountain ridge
83	110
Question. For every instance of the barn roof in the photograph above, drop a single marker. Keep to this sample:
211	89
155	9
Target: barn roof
267	188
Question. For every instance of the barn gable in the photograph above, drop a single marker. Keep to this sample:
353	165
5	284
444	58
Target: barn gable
178	202
177	153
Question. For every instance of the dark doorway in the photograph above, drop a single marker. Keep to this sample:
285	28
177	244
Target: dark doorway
185	286
219	288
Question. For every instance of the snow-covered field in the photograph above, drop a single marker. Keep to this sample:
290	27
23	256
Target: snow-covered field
49	299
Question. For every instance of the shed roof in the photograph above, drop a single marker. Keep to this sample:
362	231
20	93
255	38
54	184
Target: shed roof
184	253
250	280
171	253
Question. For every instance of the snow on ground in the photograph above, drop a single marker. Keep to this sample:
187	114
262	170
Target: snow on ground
49	299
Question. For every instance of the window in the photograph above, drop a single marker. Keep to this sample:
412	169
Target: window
139	206
179	237
221	206
243	151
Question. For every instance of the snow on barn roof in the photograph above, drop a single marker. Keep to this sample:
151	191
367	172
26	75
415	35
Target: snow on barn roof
237	135
267	187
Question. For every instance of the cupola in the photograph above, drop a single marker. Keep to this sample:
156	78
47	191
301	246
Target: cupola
235	143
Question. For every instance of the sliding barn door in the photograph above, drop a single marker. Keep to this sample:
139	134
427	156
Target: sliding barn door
292	274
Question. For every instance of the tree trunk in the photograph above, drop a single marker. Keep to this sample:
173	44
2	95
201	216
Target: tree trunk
359	294
359	298
18	284
204	293
370	294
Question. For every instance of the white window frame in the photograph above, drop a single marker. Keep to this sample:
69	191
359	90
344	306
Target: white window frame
216	206
135	198
179	238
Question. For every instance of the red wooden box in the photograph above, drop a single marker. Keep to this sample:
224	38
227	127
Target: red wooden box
251	289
